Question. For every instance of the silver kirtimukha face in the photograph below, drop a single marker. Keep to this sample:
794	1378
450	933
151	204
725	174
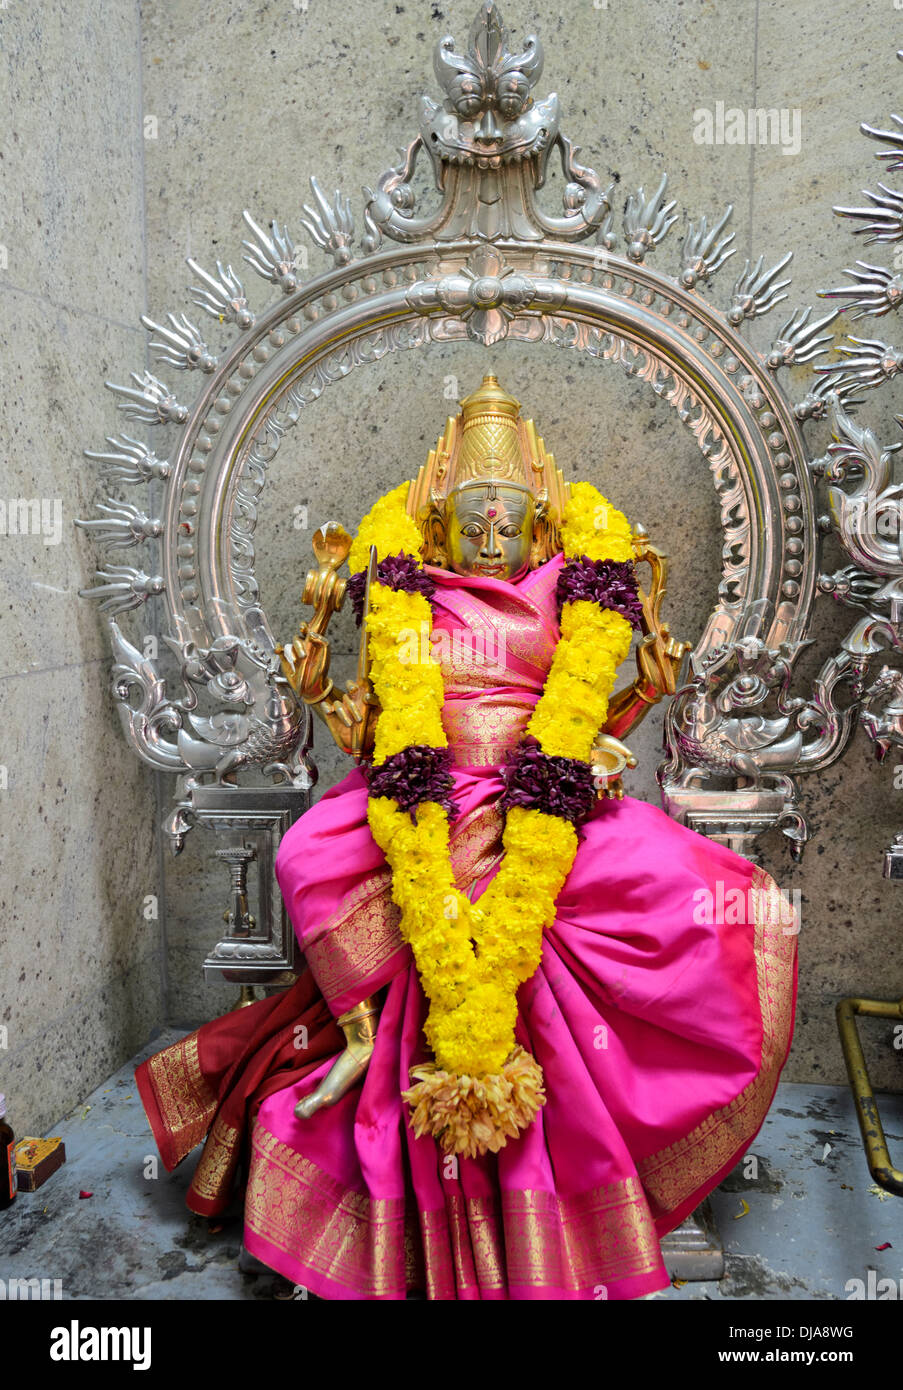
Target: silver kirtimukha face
489	529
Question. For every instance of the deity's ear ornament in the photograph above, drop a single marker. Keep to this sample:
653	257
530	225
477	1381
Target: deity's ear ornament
433	526
546	530
488	440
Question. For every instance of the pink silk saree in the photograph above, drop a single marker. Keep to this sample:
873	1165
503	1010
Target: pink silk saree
661	1033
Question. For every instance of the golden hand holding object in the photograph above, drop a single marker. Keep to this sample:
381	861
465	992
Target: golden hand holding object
658	657
359	1027
351	720
350	716
609	758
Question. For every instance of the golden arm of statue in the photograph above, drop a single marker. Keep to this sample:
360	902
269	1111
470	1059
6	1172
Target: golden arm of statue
359	1026
349	715
658	658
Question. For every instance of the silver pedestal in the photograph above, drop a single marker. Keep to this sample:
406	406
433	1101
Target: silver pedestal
694	1251
258	948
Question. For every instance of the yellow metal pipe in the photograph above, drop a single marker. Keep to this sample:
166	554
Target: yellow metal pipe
877	1153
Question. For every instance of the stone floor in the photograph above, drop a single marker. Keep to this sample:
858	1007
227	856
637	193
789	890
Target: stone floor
814	1218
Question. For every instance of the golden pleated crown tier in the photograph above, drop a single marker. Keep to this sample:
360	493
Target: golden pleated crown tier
487	440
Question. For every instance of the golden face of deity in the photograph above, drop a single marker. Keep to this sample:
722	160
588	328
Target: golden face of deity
489	529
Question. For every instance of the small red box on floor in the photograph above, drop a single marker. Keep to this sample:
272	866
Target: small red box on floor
36	1161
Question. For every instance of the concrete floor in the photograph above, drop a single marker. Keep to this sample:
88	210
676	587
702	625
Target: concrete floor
814	1221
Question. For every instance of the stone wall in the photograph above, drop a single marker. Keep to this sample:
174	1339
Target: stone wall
80	958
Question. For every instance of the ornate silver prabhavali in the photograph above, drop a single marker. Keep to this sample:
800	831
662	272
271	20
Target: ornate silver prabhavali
486	263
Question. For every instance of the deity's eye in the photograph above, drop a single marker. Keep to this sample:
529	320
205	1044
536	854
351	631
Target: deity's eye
512	94
466	95
468	106
510	532
471	531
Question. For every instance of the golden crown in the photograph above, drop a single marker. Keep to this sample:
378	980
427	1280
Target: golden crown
488	441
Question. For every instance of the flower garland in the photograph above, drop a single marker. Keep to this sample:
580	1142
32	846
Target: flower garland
471	957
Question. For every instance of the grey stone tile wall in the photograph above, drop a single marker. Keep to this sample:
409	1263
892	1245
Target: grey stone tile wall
80	957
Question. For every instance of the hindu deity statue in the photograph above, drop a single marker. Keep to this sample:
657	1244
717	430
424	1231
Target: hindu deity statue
524	1044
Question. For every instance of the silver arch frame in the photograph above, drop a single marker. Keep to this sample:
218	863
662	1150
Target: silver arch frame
487	266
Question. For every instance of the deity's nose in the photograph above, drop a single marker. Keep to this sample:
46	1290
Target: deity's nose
491	549
488	131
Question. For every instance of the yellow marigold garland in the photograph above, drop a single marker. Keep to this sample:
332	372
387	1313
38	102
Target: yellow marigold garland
574	702
472	957
388	527
410	691
591	526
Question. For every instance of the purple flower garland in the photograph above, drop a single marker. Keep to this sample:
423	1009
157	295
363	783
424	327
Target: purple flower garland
399	572
610	583
541	781
418	773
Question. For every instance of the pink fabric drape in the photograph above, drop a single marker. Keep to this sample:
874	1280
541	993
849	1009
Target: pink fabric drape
661	1034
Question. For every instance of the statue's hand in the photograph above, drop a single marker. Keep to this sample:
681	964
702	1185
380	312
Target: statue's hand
608	761
305	664
357	711
338	1081
659	658
359	1027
